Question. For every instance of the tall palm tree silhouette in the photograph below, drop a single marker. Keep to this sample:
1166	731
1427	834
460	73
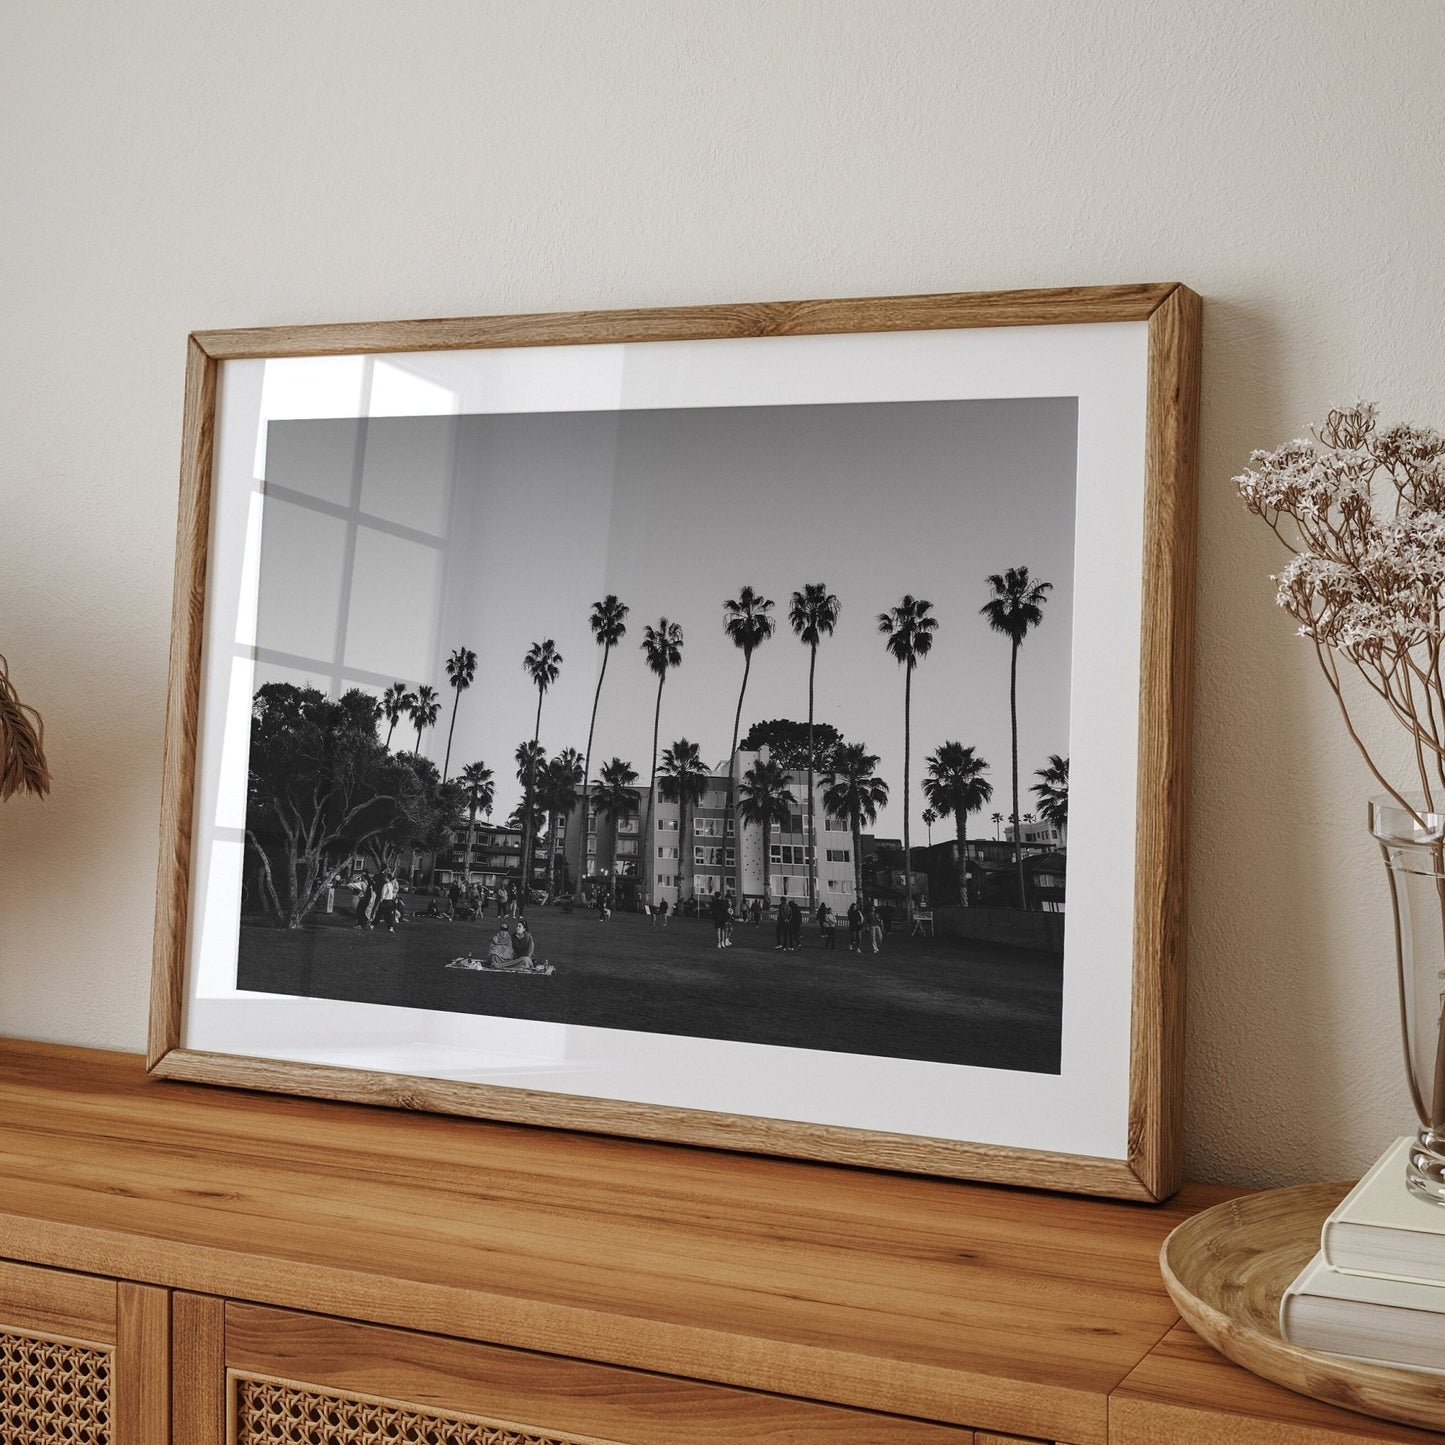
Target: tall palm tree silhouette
662	646
615	794
1052	791
747	620
461	669
560	780
908	634
996	819
1017	606
856	794
684	778
396	701
929	819
479	794
609	626
955	784
766	799
424	708
813	614
542	664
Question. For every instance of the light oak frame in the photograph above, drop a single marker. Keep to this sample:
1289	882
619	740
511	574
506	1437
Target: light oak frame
1152	1168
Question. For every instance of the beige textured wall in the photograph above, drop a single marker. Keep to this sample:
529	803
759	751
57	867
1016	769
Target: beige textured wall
167	166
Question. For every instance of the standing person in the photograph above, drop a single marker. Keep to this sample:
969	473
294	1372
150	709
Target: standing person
730	914
780	928
364	901
795	925
719	911
873	926
757	913
386	909
855	927
662	911
827	925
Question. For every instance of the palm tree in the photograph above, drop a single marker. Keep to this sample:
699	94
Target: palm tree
560	781
908	630
1017	606
461	669
747	620
1052	791
955	784
609	627
615	794
480	792
662	646
423	709
996	819
542	664
813	613
684	782
767	799
929	819
856	794
395	701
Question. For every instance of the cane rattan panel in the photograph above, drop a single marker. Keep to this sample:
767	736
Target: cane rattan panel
53	1393
278	1412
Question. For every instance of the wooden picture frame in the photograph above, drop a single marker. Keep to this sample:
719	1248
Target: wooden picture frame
1163	322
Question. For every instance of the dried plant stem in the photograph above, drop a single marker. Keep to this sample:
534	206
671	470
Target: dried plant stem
22	739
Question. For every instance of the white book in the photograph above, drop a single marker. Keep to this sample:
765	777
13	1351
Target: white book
1380	1228
1382	1321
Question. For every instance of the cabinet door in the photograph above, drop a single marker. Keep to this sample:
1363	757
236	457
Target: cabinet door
316	1381
82	1359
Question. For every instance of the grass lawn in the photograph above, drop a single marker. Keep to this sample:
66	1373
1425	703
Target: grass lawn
949	1000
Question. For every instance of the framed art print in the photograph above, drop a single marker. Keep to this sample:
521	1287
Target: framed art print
762	726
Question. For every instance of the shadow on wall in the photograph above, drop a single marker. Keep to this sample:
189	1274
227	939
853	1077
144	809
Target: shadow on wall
1290	1046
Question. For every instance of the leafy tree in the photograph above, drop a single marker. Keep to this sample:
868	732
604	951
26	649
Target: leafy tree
320	787
557	794
908	634
955	785
747	620
395	702
766	799
479	793
616	795
1014	609
684	782
542	664
856	794
787	743
424	709
609	627
813	614
1052	791
662	646
461	669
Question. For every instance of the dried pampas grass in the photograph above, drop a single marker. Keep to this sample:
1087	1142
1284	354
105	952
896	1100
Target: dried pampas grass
22	744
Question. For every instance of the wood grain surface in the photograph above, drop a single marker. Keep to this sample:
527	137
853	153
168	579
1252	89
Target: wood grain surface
1151	1167
142	1365
1227	1268
968	1305
543	1392
50	1302
198	1369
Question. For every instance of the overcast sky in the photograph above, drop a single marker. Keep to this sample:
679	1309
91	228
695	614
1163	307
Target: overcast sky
537	516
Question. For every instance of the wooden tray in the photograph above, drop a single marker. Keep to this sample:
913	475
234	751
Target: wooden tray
1226	1270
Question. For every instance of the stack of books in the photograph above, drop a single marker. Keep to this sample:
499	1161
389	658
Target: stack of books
1376	1289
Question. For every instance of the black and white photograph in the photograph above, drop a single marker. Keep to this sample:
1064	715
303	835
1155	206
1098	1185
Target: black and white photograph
747	723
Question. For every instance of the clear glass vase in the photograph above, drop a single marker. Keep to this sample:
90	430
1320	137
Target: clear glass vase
1412	840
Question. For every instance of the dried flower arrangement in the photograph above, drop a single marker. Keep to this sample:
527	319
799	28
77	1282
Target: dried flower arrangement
1363	513
22	743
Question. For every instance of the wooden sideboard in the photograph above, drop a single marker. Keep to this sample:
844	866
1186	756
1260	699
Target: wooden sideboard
181	1263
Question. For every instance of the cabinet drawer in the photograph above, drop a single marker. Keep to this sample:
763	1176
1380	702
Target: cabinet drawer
320	1381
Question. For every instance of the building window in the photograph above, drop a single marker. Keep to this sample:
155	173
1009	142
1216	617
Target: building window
627	823
706	857
707	828
789	853
667	825
627	848
665	852
731	829
840	855
840	885
592	846
730	858
835	825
